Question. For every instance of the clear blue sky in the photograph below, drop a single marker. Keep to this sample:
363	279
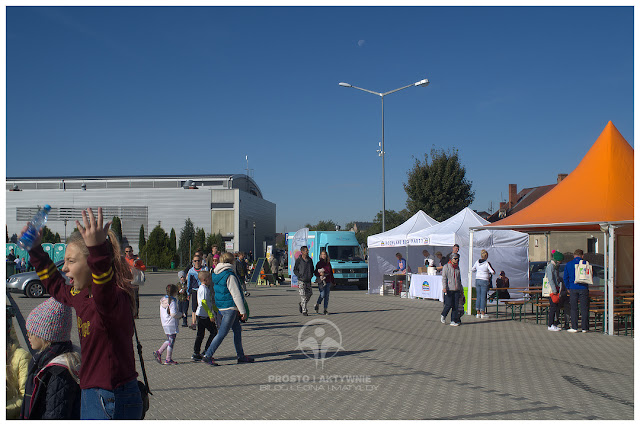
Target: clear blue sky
521	92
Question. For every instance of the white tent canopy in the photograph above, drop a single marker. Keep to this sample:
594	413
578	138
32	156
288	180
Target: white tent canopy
384	246
508	250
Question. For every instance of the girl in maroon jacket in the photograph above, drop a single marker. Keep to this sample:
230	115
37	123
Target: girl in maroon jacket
103	301
324	278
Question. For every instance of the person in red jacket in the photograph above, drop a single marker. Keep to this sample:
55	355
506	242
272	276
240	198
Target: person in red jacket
135	264
103	301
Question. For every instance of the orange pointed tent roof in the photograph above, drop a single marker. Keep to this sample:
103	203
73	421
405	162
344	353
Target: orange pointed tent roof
599	190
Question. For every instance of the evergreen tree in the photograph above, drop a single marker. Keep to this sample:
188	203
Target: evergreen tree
439	188
57	238
141	239
116	227
156	251
48	236
172	240
187	235
200	240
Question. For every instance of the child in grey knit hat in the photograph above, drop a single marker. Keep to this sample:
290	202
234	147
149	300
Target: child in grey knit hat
52	390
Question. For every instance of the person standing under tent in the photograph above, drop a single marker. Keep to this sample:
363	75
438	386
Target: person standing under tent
552	276
402	264
578	293
483	271
452	287
454	250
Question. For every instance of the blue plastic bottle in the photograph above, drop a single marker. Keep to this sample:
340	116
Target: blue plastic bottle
34	227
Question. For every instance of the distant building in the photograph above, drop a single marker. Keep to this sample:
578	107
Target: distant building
228	204
541	243
483	214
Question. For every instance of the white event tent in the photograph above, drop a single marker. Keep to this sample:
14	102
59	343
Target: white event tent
383	247
508	250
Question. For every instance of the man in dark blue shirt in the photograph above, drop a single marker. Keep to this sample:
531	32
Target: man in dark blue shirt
578	292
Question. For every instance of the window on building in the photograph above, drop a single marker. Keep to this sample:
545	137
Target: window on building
592	245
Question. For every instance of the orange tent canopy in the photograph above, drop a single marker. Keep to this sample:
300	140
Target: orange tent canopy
599	190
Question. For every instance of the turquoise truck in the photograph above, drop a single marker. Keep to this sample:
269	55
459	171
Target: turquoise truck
347	260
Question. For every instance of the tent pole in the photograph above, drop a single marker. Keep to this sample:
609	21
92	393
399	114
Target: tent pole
469	292
611	277
605	321
546	238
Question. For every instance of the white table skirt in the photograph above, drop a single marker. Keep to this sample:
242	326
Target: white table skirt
426	286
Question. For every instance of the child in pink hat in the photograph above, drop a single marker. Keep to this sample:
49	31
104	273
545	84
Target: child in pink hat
52	390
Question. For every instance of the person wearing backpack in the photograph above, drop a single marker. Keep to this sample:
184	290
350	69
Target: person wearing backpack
578	293
229	299
52	390
552	276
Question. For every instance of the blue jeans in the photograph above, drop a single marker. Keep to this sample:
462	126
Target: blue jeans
482	288
451	303
230	320
324	294
124	402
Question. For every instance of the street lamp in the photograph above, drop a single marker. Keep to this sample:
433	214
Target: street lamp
421	83
254	240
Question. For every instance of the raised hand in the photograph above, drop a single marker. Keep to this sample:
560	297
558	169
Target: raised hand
93	232
37	240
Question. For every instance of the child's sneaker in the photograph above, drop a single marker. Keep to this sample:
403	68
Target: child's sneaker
478	315
196	357
209	361
246	359
156	355
170	362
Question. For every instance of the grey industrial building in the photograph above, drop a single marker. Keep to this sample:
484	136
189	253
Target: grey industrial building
228	204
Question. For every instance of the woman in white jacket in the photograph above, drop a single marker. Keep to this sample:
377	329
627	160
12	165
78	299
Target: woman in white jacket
483	271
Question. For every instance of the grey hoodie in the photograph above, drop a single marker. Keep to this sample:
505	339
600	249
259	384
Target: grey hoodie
551	272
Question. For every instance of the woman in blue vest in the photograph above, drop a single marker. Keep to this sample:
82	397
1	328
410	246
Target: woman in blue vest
229	300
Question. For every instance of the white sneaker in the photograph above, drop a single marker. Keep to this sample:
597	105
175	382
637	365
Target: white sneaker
484	316
477	315
442	320
454	324
553	328
572	330
585	331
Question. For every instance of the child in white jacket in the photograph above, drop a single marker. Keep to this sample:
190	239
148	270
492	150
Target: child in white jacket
170	318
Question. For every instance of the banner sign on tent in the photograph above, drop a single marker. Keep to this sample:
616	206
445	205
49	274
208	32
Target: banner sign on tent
299	240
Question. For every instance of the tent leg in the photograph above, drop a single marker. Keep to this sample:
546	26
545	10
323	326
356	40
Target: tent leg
605	324
469	292
611	277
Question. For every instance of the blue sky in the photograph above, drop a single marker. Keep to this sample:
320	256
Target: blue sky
521	92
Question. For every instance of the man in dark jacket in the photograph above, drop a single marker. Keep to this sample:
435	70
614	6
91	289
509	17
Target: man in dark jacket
303	270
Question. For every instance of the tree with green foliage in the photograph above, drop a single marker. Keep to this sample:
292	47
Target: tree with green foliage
392	219
172	241
48	236
323	225
141	239
57	238
200	240
214	239
116	227
156	251
439	187
187	235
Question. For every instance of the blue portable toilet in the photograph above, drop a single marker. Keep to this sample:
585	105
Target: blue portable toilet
11	246
48	248
58	251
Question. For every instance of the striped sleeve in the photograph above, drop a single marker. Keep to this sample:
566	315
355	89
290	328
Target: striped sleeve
50	277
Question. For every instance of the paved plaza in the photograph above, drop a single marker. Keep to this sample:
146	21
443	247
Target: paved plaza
386	358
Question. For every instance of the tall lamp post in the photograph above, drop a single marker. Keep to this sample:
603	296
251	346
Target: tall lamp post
422	83
254	241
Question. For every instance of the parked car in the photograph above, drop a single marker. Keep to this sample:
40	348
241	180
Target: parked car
536	273
29	283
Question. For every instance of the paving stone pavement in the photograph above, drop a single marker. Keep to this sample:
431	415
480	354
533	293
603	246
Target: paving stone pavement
410	366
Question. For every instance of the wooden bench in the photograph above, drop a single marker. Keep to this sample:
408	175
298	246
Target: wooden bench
513	304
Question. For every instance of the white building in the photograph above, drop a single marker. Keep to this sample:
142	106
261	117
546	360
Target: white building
228	204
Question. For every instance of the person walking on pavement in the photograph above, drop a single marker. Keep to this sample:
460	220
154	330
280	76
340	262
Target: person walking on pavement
551	273
452	286
183	297
578	293
274	265
214	251
135	264
206	316
324	278
241	272
303	269
193	283
231	305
